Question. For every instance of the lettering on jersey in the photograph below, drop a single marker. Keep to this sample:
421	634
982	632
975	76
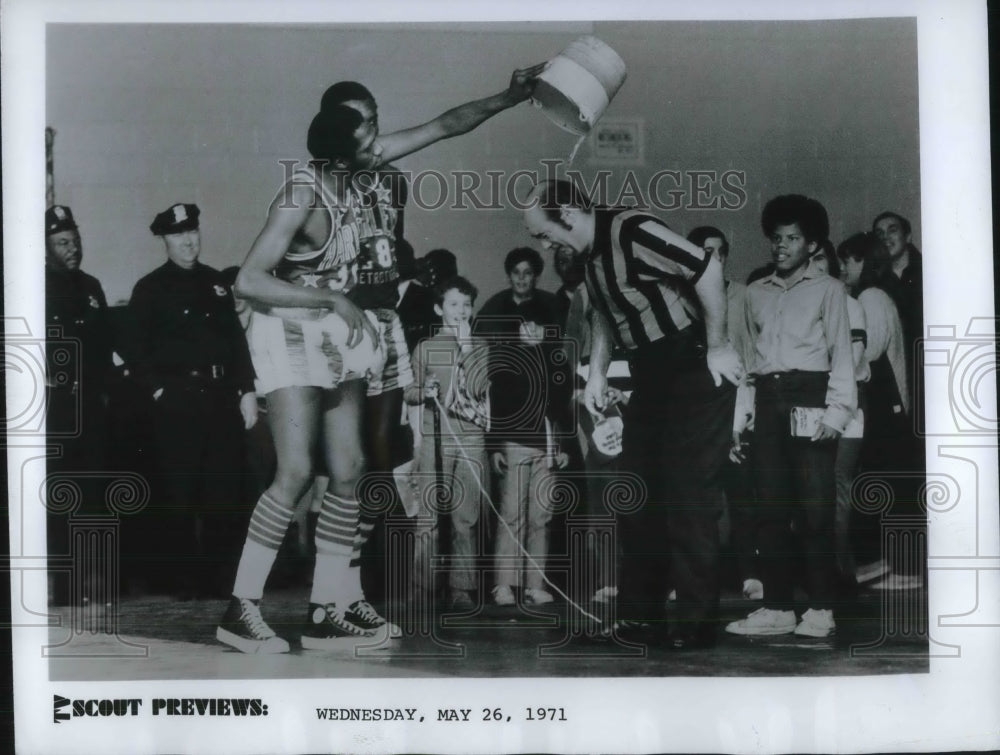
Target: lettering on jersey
360	249
377	277
344	278
377	219
345	244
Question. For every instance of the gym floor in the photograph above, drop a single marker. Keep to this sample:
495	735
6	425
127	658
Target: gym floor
161	638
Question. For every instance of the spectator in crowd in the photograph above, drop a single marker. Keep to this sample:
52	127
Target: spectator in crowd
524	450
888	425
416	302
571	269
450	370
664	303
826	262
738	522
805	395
903	281
902	278
187	348
437	266
523	267
78	358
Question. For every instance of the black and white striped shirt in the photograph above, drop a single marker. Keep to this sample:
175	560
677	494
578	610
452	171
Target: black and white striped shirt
640	276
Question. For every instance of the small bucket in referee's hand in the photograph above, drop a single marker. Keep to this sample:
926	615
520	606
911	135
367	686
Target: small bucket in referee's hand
605	431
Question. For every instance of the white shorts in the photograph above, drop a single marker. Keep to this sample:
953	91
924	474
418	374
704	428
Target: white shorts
396	371
303	352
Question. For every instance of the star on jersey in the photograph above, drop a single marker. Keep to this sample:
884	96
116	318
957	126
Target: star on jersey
310	280
383	194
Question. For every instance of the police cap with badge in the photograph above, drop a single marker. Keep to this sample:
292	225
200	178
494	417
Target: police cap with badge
177	218
59	218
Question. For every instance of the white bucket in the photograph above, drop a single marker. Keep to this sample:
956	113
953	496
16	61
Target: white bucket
578	84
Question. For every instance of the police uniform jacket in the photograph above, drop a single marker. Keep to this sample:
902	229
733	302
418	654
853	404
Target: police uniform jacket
184	328
75	303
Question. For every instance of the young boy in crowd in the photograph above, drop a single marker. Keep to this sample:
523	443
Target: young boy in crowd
451	369
803	370
524	450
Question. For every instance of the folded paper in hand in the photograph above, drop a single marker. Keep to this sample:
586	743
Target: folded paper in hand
806	420
407	488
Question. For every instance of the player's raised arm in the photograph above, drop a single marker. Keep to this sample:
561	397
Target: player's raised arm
461	119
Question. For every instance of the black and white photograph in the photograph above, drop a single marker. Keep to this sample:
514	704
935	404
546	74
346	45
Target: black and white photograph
539	379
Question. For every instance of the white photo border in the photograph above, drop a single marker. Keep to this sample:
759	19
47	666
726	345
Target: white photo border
955	706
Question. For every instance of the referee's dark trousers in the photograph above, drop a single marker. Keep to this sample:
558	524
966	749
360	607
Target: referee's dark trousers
678	430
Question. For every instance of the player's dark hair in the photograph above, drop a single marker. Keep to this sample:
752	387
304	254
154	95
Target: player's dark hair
344	91
331	133
523	254
788	209
703	233
457	283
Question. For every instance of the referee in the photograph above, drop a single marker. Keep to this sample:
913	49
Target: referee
663	301
188	351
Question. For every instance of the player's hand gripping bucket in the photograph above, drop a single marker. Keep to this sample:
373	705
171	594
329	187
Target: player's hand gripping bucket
578	84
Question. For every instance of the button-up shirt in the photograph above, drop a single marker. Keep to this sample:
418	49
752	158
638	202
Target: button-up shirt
803	325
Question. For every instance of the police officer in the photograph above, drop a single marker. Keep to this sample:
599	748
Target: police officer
78	353
189	352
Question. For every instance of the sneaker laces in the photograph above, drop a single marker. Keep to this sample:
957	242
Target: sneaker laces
339	620
367	612
250	615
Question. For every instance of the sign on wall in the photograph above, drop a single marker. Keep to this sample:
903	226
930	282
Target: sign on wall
620	140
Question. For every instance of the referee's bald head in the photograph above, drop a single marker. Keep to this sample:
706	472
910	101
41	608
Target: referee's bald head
555	194
561	217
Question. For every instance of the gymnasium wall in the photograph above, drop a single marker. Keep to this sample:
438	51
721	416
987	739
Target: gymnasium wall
149	115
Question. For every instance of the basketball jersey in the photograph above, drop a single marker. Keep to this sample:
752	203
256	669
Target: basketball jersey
358	257
334	264
381	197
